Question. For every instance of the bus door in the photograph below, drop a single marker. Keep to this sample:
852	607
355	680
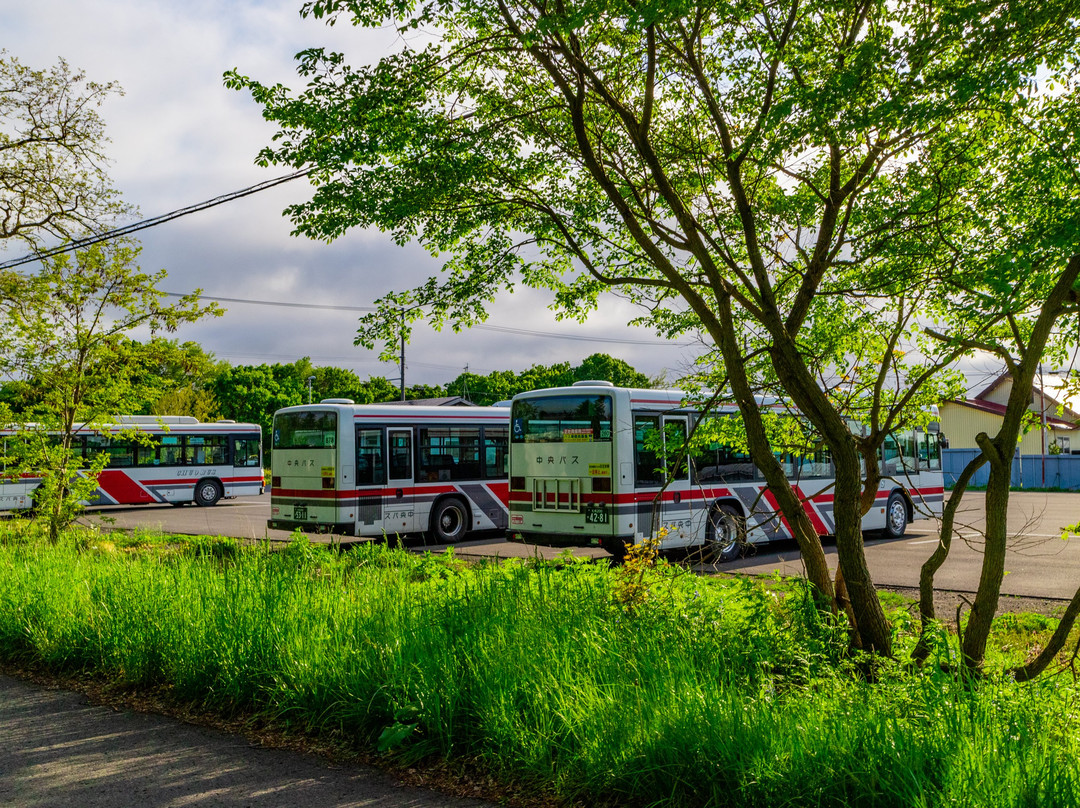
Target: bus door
370	480
399	507
676	512
656	463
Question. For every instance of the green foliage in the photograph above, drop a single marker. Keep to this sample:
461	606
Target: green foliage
807	186
502	385
64	333
708	692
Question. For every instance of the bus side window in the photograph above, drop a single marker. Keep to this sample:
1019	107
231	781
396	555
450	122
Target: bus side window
146	453
246	452
646	461
496	459
171	452
933	451
204	450
370	466
890	455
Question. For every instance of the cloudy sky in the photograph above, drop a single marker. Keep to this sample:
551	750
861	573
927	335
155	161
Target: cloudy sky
179	138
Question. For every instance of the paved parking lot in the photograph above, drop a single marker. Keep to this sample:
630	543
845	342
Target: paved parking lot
1040	564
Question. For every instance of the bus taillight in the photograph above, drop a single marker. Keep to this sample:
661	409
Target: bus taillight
517	483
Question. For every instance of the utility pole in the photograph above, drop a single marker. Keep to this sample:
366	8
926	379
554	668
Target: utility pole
1042	423
402	354
310	379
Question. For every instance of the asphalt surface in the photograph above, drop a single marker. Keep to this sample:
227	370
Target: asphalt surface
1039	563
56	749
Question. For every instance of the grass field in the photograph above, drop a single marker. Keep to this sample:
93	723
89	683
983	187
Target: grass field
620	686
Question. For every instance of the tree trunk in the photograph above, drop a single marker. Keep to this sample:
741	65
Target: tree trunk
941	552
872	625
1032	669
999	452
813	554
800	383
984	608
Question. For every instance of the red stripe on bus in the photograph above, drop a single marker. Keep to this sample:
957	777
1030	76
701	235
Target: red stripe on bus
772	503
121	488
500	491
808	506
189	481
483	419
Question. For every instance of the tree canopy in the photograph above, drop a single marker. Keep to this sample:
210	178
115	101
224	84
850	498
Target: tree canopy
64	335
52	153
786	178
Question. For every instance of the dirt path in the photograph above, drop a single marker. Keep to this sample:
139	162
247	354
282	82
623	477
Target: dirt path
57	749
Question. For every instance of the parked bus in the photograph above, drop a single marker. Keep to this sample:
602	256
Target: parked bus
160	458
583	471
383	469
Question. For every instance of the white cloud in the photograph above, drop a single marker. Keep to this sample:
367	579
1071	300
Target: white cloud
179	137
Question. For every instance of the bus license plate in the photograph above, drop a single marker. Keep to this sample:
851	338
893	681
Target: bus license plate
299	512
596	515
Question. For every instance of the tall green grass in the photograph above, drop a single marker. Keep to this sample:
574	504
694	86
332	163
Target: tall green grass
699	693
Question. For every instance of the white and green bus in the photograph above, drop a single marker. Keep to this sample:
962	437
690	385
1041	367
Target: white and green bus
585	472
374	470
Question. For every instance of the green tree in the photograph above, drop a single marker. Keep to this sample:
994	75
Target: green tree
252	393
751	172
52	153
1019	223
64	331
608	368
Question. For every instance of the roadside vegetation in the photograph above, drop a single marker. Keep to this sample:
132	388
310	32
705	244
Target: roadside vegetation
635	685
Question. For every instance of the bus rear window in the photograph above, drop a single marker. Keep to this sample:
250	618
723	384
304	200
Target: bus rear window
305	430
561	419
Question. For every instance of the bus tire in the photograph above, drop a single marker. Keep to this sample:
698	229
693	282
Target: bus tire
207	493
450	521
895	516
725	535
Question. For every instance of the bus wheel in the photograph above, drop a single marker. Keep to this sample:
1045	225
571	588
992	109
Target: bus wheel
450	521
725	536
207	493
895	516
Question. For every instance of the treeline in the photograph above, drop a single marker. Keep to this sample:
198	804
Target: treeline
183	379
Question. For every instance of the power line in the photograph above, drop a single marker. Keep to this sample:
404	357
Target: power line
480	326
155	221
281	303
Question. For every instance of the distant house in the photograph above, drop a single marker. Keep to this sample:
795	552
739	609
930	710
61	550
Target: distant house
963	419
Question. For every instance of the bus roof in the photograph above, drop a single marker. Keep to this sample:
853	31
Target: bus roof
397	414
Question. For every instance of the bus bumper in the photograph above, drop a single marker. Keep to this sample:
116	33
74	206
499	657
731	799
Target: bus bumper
335	528
557	540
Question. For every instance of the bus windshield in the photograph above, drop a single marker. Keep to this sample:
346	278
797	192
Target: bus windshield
562	419
305	430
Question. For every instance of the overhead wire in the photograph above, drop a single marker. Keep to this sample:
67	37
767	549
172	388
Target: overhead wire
256	188
144	224
479	326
